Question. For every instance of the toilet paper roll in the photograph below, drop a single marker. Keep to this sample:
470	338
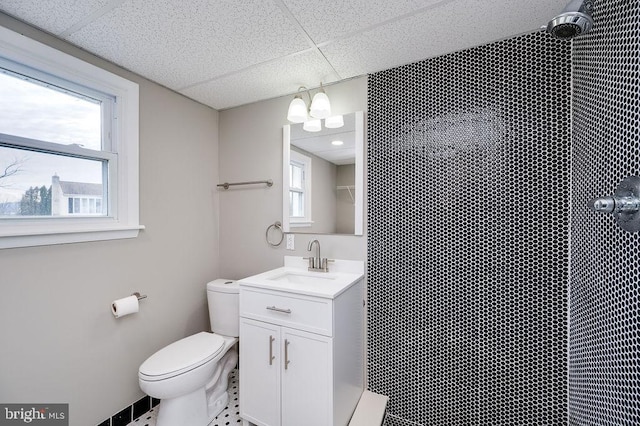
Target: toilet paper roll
124	306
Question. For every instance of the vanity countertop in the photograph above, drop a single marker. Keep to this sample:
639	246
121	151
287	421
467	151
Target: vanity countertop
294	277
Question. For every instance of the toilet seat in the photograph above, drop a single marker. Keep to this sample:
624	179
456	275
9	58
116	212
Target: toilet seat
182	356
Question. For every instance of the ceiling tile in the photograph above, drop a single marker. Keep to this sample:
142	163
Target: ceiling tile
181	43
226	53
449	28
54	16
264	81
328	20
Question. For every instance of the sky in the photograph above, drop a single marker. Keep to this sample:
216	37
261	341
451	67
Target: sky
33	111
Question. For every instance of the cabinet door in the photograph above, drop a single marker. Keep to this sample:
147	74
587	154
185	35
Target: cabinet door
307	379
260	363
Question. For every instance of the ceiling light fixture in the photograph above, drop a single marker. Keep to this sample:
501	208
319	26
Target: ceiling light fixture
337	143
334	122
313	125
319	107
297	110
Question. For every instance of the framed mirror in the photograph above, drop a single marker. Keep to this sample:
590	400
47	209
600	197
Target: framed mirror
323	177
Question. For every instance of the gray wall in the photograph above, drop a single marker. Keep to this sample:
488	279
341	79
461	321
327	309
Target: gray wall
251	149
469	236
60	342
604	345
345	176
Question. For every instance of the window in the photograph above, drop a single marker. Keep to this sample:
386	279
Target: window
68	148
299	189
296	190
84	206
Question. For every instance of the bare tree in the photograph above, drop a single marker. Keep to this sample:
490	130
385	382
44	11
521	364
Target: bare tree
11	169
7	207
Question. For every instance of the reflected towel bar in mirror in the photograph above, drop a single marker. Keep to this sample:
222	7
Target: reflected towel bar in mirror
226	185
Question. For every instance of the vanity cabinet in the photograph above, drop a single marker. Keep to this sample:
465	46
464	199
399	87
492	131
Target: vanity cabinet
301	356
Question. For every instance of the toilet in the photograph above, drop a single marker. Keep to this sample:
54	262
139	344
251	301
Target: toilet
190	376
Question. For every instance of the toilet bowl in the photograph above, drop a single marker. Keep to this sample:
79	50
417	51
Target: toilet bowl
190	376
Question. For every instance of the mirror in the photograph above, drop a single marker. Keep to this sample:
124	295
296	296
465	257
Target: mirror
323	180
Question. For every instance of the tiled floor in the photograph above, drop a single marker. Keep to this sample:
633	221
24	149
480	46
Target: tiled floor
229	416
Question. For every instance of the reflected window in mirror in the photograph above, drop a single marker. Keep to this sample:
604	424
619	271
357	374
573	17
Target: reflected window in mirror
300	194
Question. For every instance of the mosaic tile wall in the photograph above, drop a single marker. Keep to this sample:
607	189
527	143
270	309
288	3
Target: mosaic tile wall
468	189
604	335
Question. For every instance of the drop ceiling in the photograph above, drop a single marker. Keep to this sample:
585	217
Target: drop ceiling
226	53
321	143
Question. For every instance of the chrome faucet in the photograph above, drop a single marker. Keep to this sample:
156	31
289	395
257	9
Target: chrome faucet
317	263
314	262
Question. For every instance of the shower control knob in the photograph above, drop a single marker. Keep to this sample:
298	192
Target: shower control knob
624	205
603	205
615	204
628	204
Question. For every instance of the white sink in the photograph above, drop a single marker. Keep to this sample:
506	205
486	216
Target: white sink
295	278
303	278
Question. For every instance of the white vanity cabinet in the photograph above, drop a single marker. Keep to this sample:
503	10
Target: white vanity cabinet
275	394
301	354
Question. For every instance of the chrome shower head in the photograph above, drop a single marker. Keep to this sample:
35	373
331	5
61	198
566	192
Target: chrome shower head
574	20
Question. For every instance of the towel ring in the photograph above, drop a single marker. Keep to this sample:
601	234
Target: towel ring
276	225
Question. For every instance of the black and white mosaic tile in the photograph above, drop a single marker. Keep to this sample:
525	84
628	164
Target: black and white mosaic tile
604	327
468	189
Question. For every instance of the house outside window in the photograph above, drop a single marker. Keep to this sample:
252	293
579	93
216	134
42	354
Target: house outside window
75	198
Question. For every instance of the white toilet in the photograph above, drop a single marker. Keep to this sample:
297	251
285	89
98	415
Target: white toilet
190	376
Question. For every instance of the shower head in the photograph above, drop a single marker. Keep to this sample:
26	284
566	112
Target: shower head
574	20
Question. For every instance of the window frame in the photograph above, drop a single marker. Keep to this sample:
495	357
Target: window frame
297	189
306	162
120	149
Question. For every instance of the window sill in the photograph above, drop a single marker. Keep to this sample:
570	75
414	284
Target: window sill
40	238
301	224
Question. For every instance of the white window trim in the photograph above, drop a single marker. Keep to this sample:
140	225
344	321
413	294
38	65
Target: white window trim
124	222
305	221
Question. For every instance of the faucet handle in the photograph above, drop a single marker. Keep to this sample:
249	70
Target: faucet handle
311	262
325	264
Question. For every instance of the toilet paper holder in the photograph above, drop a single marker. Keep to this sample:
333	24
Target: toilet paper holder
127	306
140	297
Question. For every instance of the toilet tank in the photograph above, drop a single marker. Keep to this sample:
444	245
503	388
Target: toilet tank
224	307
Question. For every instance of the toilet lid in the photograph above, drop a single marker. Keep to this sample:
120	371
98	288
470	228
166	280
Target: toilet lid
182	356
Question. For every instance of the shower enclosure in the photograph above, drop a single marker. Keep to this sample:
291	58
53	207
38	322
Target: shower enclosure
496	296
